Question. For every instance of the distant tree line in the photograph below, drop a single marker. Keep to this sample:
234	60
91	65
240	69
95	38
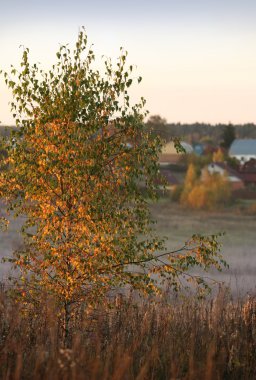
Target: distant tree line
215	133
196	131
6	130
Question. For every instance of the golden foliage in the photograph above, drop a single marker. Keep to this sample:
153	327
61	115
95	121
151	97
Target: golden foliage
209	192
218	156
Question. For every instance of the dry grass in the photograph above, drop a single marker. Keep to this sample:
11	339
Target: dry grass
214	339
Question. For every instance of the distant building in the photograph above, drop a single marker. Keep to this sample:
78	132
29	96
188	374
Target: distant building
243	149
248	172
169	154
170	178
198	149
223	169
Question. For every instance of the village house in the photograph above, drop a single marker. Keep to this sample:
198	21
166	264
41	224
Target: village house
171	180
248	172
243	150
223	169
169	154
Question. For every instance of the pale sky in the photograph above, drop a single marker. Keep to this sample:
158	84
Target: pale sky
197	57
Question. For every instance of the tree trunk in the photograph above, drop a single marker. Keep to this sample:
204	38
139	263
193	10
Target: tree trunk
67	329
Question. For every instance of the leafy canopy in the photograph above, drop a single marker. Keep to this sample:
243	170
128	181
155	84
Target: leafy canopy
81	167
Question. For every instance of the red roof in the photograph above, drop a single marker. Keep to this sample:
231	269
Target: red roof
248	177
230	171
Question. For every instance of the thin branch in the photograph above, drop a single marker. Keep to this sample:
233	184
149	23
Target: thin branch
155	258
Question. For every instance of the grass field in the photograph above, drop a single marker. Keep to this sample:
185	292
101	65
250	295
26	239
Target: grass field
190	340
238	243
178	225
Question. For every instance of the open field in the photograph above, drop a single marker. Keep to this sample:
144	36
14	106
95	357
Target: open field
239	249
178	224
194	339
9	242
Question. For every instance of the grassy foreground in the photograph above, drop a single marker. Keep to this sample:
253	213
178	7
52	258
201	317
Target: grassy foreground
214	339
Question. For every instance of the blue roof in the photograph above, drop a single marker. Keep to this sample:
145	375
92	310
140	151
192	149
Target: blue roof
243	147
